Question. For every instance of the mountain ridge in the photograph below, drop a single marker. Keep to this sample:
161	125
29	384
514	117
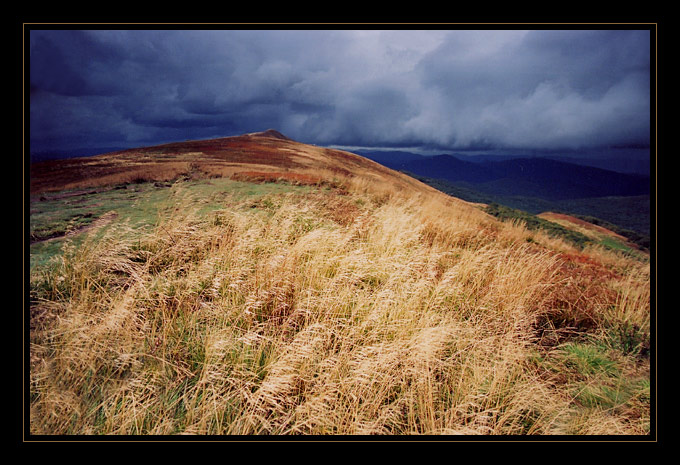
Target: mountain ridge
625	163
540	177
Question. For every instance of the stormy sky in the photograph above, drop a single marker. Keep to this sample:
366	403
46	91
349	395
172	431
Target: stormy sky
448	89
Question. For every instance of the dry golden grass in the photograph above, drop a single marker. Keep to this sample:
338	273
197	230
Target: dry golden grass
372	304
371	310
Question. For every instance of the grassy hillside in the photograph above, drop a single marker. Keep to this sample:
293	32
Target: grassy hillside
353	303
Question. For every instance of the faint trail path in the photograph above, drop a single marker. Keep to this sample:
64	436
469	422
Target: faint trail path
65	195
103	220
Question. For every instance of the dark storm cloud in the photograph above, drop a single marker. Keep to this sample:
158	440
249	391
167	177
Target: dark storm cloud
73	65
539	89
535	89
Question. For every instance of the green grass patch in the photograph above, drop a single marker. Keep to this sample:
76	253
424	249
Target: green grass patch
628	338
597	376
616	245
588	359
533	223
138	205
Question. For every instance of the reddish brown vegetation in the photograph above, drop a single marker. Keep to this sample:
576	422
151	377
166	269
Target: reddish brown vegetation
199	159
586	264
576	304
80	173
339	209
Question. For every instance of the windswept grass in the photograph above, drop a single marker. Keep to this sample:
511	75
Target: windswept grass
345	312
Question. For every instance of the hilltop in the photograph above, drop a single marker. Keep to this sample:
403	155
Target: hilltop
269	152
258	285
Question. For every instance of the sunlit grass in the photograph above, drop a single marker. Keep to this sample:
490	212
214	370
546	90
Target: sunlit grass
226	307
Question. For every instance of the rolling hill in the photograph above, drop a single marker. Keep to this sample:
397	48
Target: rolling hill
530	177
255	285
268	151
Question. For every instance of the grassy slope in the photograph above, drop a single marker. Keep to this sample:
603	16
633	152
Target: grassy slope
356	309
597	231
139	205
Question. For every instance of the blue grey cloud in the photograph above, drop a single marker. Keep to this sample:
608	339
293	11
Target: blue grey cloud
449	88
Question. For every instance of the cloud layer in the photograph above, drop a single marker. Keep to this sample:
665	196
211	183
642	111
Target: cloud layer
448	89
